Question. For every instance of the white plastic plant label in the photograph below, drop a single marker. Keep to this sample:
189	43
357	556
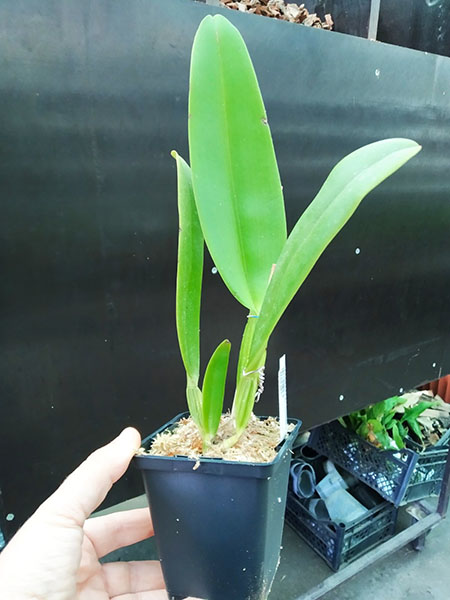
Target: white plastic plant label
282	397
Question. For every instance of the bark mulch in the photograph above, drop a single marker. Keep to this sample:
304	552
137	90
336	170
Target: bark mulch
278	9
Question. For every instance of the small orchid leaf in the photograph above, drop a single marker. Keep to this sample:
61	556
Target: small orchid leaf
415	427
414	411
194	402
214	389
189	274
397	437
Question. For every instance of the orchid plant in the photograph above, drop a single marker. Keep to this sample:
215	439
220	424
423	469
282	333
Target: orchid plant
231	198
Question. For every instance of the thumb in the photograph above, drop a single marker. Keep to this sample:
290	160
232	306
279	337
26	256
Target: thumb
86	488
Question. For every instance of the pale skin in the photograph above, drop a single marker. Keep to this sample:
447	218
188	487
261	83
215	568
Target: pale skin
55	555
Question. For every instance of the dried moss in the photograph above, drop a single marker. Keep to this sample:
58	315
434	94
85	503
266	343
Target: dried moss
257	444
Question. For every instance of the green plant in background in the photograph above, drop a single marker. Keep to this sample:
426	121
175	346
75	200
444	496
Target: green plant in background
231	197
389	423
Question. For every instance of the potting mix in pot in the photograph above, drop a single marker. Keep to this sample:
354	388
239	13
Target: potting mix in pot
217	482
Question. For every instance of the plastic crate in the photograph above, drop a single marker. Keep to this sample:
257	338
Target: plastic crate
340	544
399	476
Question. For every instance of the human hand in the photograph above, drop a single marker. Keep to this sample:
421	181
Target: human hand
55	555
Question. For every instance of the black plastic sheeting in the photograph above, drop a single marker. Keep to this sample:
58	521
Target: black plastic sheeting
349	16
420	24
93	96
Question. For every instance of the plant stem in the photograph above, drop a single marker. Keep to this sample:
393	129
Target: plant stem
206	442
244	350
246	382
194	401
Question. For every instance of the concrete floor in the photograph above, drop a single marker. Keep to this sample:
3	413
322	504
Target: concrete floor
405	575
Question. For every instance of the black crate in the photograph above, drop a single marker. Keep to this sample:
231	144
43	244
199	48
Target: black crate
340	544
399	476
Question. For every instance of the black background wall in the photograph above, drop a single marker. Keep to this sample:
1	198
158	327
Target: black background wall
420	24
92	99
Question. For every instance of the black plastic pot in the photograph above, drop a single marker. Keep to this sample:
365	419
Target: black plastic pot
218	528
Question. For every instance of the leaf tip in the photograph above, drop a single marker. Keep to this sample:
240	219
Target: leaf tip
219	18
225	345
174	154
415	146
207	21
413	149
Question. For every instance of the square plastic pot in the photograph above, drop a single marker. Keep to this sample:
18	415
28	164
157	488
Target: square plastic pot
218	527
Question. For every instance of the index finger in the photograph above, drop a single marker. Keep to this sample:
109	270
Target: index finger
86	488
119	529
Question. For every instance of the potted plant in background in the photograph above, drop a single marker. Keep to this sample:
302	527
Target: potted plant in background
217	483
398	446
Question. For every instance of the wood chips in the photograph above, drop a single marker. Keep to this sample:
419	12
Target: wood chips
279	9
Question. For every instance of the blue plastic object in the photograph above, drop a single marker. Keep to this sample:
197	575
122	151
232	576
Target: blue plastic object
318	509
303	479
341	506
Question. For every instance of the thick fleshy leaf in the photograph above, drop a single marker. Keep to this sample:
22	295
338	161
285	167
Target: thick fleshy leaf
244	401
352	178
194	402
189	274
214	389
397	437
235	175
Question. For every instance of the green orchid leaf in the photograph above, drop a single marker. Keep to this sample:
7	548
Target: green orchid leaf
415	427
393	402
375	425
397	437
194	402
214	389
385	440
402	430
363	430
390	407
376	410
189	274
415	411
352	178
354	420
242	410
388	419
235	175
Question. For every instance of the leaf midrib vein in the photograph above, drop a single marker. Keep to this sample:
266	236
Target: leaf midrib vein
231	178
